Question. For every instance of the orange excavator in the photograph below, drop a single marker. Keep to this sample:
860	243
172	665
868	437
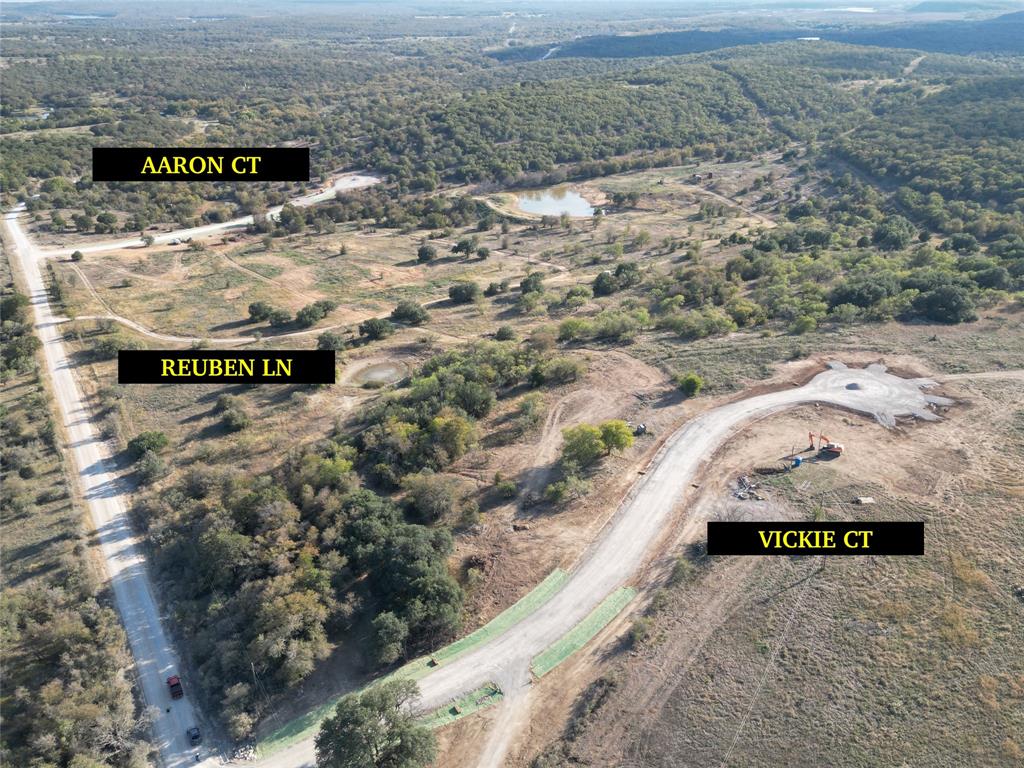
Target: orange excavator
825	447
829	449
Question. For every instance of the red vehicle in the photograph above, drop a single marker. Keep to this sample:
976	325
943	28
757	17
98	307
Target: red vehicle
174	683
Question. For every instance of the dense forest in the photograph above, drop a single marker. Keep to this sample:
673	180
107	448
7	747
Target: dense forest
494	124
999	35
434	120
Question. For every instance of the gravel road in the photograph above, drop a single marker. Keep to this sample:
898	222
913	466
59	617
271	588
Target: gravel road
155	658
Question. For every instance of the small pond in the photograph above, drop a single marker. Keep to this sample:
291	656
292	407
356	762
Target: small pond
379	374
554	201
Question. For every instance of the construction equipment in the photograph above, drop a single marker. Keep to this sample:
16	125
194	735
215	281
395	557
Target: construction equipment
825	447
830	449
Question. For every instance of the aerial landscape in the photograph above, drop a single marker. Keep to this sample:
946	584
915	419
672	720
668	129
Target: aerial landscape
428	432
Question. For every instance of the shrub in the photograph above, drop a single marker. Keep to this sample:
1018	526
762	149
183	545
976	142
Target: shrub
530	413
507	489
150	468
575	329
493	289
146	441
690	384
558	370
571	488
803	324
107	348
577	296
426	253
234	415
505	333
532	283
641	631
77	256
682	571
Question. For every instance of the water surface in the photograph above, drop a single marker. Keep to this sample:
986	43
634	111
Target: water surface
554	201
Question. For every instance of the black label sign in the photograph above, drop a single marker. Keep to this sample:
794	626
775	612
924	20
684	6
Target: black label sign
868	538
214	366
200	164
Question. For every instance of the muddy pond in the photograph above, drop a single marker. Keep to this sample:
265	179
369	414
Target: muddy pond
554	201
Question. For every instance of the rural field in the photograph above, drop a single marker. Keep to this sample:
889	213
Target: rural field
592	280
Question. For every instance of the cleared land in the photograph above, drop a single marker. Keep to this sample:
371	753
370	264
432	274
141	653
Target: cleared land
914	659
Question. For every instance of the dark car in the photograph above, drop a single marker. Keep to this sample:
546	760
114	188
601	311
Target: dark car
194	736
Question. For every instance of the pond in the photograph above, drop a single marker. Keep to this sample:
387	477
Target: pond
554	202
379	374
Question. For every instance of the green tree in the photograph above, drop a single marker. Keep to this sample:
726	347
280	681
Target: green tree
894	233
532	283
426	253
616	435
375	729
464	293
259	311
279	317
409	312
946	304
583	445
376	328
605	284
390	634
146	441
330	340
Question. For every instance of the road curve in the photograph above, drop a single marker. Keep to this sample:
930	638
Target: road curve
627	541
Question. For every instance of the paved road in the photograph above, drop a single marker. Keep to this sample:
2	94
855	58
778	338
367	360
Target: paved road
627	541
105	495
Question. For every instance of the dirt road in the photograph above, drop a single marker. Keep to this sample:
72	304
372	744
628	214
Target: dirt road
626	542
154	655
